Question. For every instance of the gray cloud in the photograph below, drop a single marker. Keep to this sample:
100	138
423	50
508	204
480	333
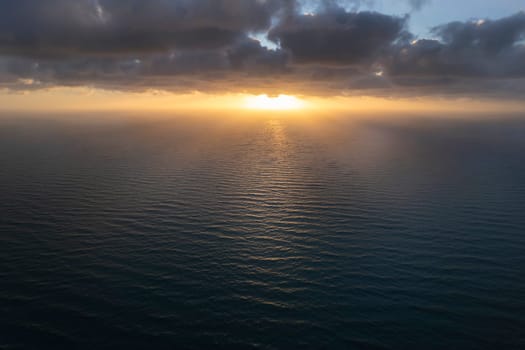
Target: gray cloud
336	36
476	49
186	45
69	27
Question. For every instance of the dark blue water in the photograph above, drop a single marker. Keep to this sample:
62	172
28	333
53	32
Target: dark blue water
264	232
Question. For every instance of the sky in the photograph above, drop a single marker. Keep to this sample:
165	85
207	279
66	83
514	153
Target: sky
98	50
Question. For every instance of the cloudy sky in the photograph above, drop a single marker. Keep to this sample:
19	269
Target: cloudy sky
323	48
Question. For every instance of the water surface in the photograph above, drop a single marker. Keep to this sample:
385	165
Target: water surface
264	232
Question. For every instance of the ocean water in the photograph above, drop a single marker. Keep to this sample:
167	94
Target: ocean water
262	232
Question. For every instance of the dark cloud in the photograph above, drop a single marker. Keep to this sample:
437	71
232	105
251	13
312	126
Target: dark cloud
336	36
68	27
489	37
209	45
475	49
248	54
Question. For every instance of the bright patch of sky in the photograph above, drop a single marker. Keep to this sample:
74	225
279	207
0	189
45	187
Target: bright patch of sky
265	42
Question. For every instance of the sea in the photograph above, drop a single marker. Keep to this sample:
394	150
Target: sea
262	230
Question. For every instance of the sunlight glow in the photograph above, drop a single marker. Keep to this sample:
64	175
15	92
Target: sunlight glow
278	103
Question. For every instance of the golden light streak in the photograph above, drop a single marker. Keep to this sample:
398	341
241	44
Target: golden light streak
278	103
91	99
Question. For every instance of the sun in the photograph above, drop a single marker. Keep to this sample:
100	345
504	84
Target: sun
278	103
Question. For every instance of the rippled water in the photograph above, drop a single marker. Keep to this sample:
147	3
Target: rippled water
262	232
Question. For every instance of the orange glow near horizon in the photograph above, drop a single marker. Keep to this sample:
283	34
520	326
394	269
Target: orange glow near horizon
91	99
278	103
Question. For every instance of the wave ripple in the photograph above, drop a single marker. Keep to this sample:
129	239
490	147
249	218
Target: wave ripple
266	233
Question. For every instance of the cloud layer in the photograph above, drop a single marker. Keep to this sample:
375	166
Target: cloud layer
210	45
